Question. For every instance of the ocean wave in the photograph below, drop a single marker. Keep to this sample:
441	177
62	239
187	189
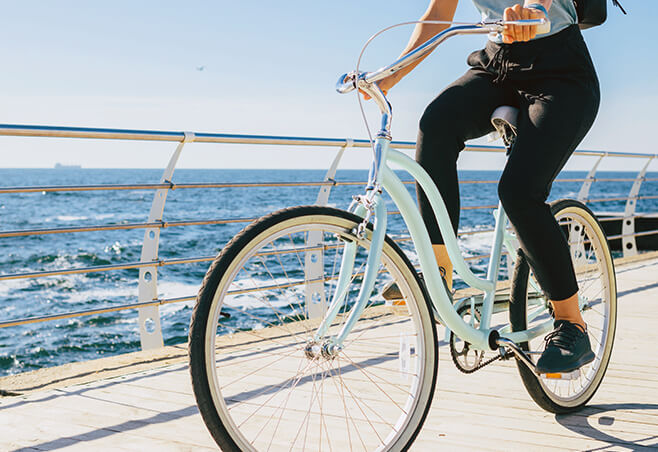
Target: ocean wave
104	216
68	218
476	244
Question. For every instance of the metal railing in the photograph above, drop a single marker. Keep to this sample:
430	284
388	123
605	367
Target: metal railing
148	300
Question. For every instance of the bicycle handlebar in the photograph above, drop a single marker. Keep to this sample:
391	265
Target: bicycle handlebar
348	82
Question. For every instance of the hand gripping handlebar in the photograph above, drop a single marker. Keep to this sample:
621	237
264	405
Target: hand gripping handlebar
348	82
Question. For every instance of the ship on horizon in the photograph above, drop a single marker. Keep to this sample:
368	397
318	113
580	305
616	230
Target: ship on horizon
60	166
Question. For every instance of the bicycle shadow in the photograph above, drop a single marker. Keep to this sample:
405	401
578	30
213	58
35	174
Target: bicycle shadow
588	422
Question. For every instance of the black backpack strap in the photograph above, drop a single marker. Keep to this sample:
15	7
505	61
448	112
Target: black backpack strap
618	5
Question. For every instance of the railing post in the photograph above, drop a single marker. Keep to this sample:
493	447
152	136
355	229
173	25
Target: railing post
628	223
150	331
584	190
325	190
316	302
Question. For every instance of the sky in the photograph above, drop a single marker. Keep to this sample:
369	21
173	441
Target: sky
268	68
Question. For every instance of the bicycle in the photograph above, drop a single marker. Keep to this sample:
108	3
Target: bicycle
292	347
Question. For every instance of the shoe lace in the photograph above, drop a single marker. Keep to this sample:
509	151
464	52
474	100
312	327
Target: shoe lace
564	336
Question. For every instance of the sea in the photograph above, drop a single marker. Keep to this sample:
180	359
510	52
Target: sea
34	346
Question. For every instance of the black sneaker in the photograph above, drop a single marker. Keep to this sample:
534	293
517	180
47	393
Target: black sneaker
567	349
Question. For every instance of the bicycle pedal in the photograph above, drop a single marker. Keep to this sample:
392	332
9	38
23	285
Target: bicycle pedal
573	375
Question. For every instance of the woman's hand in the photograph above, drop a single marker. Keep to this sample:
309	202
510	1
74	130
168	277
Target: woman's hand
514	33
437	10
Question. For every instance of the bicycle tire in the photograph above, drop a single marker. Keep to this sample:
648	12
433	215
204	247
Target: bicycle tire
203	351
588	256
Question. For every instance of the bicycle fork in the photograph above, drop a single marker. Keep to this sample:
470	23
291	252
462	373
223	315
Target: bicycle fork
368	205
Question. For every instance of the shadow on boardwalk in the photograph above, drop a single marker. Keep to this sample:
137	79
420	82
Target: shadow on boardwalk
585	423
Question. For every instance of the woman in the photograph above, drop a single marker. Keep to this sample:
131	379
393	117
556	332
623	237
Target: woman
552	80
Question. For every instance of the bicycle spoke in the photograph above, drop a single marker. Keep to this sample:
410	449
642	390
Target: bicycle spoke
294	380
301	309
257	370
251	332
276	428
322	414
265	321
278	315
284	402
368	376
348	416
356	401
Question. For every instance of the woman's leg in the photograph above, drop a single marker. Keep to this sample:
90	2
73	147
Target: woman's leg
461	112
551	125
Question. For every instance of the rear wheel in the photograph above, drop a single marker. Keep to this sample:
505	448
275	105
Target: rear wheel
597	295
259	385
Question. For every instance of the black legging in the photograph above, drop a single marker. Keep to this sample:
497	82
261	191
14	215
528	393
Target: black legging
553	82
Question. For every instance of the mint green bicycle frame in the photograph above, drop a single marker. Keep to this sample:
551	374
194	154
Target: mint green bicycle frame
372	204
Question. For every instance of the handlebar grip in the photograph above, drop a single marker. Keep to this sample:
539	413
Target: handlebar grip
544	28
543	25
345	84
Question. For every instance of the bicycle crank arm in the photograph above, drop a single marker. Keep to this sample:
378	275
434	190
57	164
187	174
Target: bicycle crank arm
518	352
497	342
504	344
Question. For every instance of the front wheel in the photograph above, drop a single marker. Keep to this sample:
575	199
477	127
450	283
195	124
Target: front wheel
258	383
597	295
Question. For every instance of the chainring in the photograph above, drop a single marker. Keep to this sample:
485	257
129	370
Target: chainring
466	359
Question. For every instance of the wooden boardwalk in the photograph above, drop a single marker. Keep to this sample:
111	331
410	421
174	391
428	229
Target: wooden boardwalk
154	409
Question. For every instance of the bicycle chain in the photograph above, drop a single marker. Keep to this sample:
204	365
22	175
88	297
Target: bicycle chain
455	358
507	355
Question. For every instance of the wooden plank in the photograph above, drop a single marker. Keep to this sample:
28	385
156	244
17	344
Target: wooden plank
104	419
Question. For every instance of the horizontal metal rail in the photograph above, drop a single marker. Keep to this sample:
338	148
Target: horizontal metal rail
174	186
639	215
105	268
159	224
133	265
116	227
624	198
635	234
73	314
69	315
18	130
95	228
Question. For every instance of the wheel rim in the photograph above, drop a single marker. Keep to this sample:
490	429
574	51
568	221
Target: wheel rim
267	390
597	294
